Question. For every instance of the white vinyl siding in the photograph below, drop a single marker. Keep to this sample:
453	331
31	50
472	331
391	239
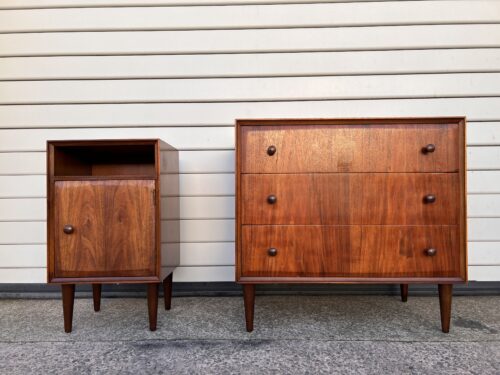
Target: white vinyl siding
183	71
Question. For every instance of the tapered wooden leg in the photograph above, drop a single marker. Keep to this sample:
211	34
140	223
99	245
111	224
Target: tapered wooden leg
96	293
167	291
249	300
68	299
153	305
404	292
445	292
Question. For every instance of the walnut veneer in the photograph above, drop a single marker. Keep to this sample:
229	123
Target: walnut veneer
351	201
104	217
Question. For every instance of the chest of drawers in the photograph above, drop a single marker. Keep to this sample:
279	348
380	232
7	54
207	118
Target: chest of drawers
351	201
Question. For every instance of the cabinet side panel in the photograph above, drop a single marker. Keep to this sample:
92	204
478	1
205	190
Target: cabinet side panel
169	209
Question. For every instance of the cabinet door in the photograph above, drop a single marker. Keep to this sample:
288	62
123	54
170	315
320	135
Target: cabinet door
113	228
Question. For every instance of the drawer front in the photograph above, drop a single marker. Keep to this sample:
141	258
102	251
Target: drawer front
350	251
350	198
349	148
305	251
405	251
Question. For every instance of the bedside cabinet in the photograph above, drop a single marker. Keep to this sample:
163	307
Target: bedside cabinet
351	201
105	217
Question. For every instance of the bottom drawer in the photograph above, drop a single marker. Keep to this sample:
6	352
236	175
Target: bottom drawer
349	251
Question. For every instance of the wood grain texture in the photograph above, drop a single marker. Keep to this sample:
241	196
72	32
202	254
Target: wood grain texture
320	147
114	228
347	198
350	251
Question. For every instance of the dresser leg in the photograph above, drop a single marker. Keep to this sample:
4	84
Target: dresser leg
404	292
68	299
249	300
153	305
96	293
167	291
445	292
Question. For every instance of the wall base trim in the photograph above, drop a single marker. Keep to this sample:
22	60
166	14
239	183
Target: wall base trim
43	291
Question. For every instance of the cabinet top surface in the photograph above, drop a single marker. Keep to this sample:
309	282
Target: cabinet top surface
354	121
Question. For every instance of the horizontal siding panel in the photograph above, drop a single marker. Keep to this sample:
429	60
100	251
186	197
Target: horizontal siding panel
181	274
479	229
23	256
249	16
479	182
204	274
224	114
256	89
484	253
483	182
256	40
209	254
483	205
484	273
483	157
250	65
34	209
20	4
482	134
180	138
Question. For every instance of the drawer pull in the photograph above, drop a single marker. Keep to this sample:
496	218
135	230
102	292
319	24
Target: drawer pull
272	252
271	150
68	229
430	198
272	199
429	148
430	252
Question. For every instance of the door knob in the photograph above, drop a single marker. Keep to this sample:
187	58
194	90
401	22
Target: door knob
430	198
271	150
68	229
272	252
428	149
430	252
272	199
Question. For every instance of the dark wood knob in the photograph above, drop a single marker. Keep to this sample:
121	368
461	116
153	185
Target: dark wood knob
430	198
68	229
272	199
429	148
272	252
271	150
430	252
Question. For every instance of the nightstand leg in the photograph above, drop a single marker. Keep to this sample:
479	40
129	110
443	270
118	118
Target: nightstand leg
404	292
96	293
249	300
152	305
445	292
167	291
68	299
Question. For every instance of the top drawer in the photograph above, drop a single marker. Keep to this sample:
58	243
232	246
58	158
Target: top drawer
349	148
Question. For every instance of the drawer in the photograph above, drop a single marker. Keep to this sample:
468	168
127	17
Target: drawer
350	251
403	251
350	198
305	251
348	148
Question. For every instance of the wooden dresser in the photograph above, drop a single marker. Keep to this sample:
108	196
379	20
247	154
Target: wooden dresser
104	217
351	201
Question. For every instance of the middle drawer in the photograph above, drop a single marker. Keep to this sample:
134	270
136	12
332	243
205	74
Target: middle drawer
350	198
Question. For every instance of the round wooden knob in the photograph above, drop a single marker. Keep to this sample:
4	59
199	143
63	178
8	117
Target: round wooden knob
271	150
429	148
272	252
430	252
68	229
272	199
430	198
